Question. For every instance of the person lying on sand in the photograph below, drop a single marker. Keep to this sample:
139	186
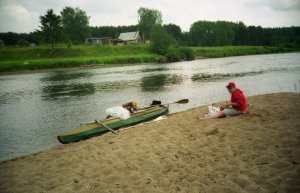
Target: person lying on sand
236	106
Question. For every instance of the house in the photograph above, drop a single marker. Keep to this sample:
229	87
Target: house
1	43
118	42
100	41
130	37
23	42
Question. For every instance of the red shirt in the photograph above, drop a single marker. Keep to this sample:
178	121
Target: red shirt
238	97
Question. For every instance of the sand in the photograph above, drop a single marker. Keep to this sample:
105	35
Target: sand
256	152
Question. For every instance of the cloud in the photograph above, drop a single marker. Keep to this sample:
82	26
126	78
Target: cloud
14	16
277	5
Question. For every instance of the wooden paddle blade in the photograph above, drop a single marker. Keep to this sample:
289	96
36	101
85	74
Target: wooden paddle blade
183	101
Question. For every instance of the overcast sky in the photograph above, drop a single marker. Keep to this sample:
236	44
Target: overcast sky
23	15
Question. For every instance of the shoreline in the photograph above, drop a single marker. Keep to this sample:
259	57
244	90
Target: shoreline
123	60
255	152
90	66
100	66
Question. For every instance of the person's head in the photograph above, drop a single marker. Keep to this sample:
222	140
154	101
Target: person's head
231	87
134	105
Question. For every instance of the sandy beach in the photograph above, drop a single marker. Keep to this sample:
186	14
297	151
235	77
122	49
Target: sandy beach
256	152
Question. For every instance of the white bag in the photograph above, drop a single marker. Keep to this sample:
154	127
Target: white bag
118	112
212	110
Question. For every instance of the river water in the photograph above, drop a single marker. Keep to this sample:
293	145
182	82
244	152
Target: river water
34	108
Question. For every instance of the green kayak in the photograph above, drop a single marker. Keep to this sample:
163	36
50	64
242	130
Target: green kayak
98	128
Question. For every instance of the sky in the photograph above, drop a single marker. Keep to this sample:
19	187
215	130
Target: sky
22	16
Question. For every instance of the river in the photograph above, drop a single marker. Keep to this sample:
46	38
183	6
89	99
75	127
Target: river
35	107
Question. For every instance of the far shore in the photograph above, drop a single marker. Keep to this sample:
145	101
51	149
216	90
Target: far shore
41	59
87	66
255	152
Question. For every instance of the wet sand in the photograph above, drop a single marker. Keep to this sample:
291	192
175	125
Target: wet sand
256	152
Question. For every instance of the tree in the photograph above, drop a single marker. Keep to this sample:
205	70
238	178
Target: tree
175	31
256	35
75	24
148	18
161	40
203	33
50	27
10	38
241	34
224	33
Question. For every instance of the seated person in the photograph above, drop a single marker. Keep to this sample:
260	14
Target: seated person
236	106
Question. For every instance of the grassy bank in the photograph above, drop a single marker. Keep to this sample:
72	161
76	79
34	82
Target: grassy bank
42	57
225	51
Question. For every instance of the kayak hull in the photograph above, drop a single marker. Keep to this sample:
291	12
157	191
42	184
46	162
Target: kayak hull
95	129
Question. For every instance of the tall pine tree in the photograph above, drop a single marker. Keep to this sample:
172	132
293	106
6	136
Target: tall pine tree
51	27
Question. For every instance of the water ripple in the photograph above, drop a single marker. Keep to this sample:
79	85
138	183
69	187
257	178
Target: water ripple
210	77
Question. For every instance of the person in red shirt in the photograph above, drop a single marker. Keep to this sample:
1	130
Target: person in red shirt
236	106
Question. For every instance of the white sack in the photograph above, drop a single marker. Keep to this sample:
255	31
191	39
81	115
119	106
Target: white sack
118	112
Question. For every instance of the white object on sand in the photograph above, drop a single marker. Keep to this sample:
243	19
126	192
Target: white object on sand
212	110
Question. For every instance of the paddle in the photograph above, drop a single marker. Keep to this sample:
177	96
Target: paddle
182	101
110	129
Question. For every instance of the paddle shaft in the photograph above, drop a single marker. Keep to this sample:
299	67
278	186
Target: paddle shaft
110	129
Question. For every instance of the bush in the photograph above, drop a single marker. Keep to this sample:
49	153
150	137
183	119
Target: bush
187	53
173	54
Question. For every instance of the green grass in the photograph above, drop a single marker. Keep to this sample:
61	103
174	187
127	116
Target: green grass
43	57
225	51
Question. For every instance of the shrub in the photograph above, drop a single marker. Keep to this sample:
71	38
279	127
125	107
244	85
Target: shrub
173	54
187	53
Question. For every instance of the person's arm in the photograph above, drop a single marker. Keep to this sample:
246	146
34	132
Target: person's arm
234	104
229	105
223	106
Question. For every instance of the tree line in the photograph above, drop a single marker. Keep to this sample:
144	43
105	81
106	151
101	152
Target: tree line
223	33
72	26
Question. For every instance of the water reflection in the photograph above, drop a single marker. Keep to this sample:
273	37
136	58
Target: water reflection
63	75
67	90
208	77
159	82
146	70
154	70
116	85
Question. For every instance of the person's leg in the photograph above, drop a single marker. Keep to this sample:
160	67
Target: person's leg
231	112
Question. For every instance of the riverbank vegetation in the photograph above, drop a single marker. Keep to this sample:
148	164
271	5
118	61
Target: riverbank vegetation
226	51
42	57
62	56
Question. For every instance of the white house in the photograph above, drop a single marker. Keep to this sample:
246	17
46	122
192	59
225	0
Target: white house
130	37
